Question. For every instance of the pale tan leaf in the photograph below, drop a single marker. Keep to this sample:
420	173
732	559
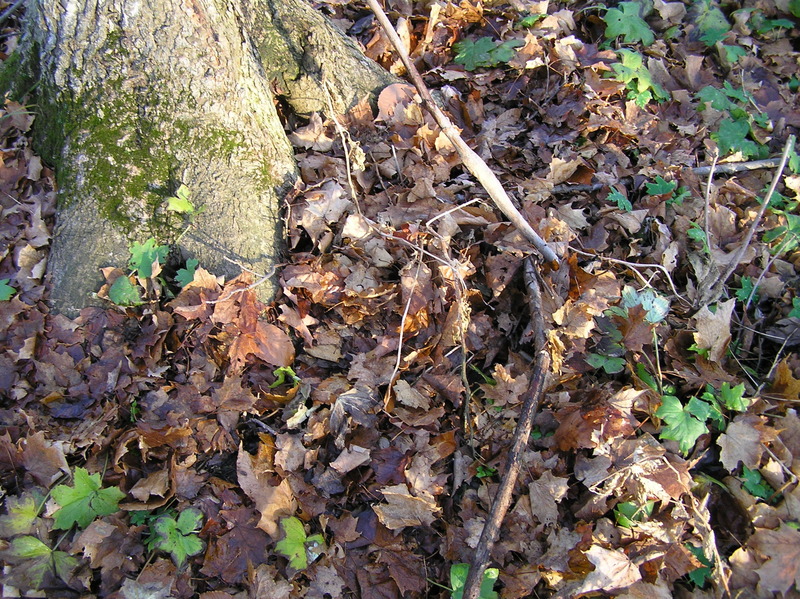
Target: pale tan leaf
782	548
403	509
743	441
714	329
545	494
273	502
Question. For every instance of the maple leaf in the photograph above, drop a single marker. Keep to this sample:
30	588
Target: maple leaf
626	21
35	564
403	509
6	290
84	501
781	571
273	502
145	255
22	514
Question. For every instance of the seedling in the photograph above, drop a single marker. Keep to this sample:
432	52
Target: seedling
484	53
84	501
661	187
281	374
458	577
300	549
180	202
485	471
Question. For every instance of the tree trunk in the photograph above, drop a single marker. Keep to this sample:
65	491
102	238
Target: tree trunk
136	97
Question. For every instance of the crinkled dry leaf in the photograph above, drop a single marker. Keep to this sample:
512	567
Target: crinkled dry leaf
403	509
273	502
781	547
743	441
714	329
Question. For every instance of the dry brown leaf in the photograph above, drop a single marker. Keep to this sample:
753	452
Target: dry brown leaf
403	509
545	494
350	459
313	136
714	329
43	459
613	570
743	441
273	502
781	547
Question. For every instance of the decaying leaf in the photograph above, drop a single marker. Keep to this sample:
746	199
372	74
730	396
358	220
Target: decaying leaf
403	509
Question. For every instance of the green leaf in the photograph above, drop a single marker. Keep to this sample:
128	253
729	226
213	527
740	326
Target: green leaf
180	202
795	313
754	483
637	79
732	137
529	21
29	548
702	574
716	97
746	290
733	398
626	21
21	515
647	378
485	471
458	578
794	8
6	290
627	514
682	425
484	53
620	200
84	501
473	54
281	374
611	365
184	276
696	233
144	255
293	544
124	293
661	187
712	25
733	53
177	537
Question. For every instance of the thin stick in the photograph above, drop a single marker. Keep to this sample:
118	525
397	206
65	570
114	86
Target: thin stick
502	501
474	163
4	17
714	290
707	211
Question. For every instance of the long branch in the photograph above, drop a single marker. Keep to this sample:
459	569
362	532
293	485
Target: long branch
474	163
502	500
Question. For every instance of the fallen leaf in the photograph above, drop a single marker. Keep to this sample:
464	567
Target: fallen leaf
714	329
781	547
403	509
273	502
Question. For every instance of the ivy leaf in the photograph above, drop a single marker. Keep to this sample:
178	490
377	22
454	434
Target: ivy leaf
144	255
177	537
458	578
712	25
626	21
84	501
184	276
124	293
795	313
747	289
682	425
180	202
6	290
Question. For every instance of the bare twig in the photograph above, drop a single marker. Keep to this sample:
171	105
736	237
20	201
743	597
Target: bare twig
12	9
707	210
471	160
711	291
502	500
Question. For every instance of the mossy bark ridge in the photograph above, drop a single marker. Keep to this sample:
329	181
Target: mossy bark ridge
136	97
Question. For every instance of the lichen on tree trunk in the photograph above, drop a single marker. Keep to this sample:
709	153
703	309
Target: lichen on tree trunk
137	97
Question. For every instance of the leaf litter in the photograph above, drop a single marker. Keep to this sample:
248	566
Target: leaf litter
200	469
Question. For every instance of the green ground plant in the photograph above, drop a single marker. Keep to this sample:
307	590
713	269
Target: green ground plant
299	548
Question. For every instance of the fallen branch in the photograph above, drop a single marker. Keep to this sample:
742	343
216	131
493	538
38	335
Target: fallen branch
709	291
474	163
502	499
726	168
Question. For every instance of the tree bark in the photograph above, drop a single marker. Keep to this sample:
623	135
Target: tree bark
137	97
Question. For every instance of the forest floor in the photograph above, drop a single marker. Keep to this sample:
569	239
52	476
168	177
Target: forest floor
347	440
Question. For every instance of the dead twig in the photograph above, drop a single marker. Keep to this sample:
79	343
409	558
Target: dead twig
471	160
710	291
502	500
